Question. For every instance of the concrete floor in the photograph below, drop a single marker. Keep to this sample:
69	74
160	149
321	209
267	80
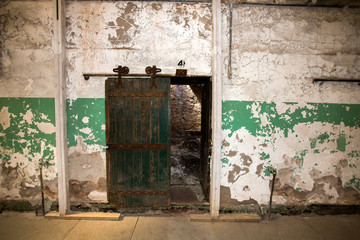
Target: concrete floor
28	226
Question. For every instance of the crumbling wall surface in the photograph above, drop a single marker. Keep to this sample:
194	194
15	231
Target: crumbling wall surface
27	116
185	111
275	117
103	35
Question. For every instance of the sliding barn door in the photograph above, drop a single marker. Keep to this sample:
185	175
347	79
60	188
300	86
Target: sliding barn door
138	140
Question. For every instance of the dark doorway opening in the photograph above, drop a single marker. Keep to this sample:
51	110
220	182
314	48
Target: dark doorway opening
190	99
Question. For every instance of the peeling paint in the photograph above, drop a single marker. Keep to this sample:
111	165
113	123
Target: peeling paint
304	143
238	113
26	140
86	118
86	149
268	121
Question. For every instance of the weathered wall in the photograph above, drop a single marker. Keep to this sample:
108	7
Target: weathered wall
185	111
102	35
275	117
27	116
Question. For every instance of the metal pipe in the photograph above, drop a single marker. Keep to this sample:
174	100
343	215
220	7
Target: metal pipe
307	5
321	80
230	39
42	189
273	171
87	76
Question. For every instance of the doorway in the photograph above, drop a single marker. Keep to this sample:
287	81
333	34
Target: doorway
138	138
190	133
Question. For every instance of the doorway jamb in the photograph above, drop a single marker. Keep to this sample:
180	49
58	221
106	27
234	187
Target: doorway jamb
215	163
60	108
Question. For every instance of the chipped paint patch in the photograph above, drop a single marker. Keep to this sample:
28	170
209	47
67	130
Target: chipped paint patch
86	119
26	140
5	118
306	143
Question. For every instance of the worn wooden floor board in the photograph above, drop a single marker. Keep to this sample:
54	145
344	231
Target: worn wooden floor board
85	216
225	218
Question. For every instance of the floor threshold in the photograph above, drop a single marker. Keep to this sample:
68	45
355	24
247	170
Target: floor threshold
85	216
242	217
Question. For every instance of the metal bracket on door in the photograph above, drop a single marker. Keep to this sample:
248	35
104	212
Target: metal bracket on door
152	70
121	70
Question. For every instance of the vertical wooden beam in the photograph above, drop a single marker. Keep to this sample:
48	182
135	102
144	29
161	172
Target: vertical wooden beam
216	110
60	108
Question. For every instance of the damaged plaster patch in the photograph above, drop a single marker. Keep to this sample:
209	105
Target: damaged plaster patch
98	196
125	28
5	118
85	165
47	128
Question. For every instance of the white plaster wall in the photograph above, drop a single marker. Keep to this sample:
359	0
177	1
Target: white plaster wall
278	51
102	35
26	47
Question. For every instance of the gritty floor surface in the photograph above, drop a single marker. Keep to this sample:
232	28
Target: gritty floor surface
28	226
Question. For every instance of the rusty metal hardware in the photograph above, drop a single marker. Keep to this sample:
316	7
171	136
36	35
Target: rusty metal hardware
155	204
122	204
181	72
121	70
158	146
152	70
142	193
138	94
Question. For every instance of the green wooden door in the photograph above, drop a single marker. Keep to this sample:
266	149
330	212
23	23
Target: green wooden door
137	136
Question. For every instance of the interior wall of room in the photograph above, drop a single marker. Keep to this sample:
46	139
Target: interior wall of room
273	115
